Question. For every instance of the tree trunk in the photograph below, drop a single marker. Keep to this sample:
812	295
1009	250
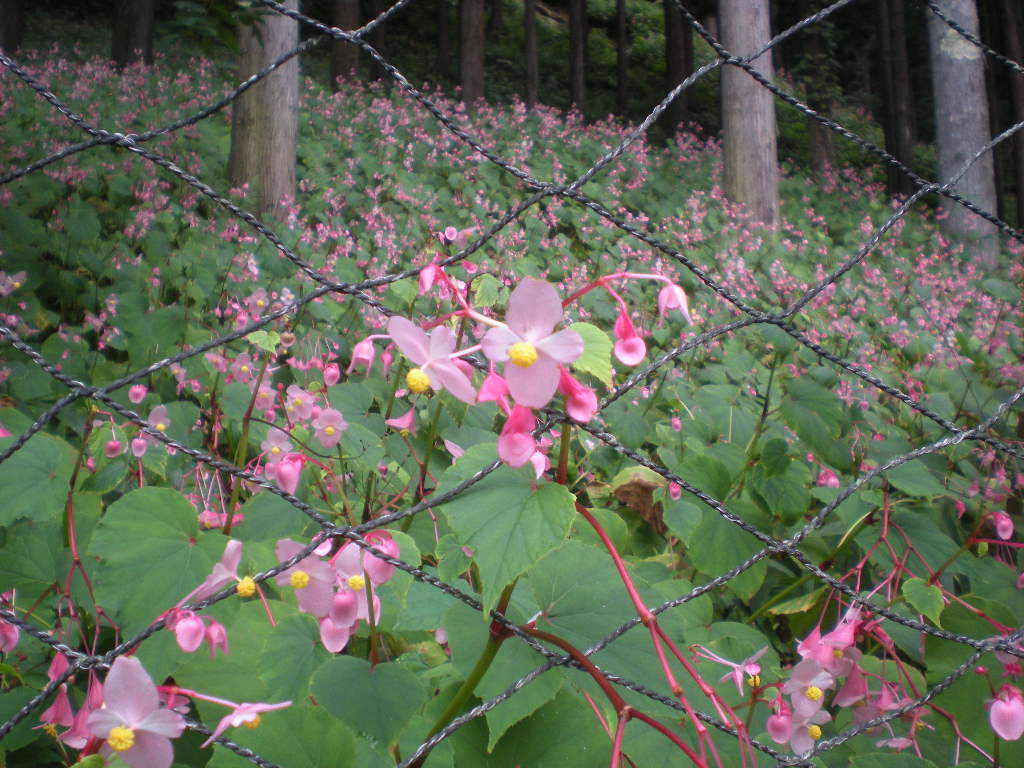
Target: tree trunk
471	58
344	56
532	63
678	61
1012	21
898	109
986	12
621	57
748	113
264	120
820	86
133	32
962	128
497	21
577	55
12	25
444	41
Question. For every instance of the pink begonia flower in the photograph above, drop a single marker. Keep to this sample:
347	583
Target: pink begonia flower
335	636
827	478
224	572
79	734
216	636
312	579
807	685
677	424
630	349
10	283
132	721
580	401
288	470
453	236
405	424
1006	713
494	390
432	355
137	393
243	714
741	671
9	636
528	345
58	713
1004	525
806	731
349	566
673	297
112	449
298	403
139	446
276	446
329	425
454	449
380	571
515	443
854	689
332	374
363	354
780	724
188	629
386	359
243	368
429	275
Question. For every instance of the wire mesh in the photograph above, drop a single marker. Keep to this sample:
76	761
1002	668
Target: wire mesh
786	319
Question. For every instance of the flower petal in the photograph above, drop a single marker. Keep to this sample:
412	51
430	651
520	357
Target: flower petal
410	338
164	722
564	346
442	342
444	373
129	691
533	386
534	309
496	342
149	751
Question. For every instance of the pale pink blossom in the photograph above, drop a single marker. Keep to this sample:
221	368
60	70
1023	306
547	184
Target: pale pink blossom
516	443
1003	524
332	373
298	403
1006	713
288	470
673	297
780	724
630	349
432	355
137	393
312	578
406	423
216	637
9	636
132	722
112	449
529	346
276	446
827	478
580	401
329	425
242	714
739	671
363	355
807	685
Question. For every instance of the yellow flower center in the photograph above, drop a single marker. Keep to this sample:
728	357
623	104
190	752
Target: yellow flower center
51	729
275	450
297	402
813	692
246	587
17	284
356	583
838	653
254	723
261	303
245	369
523	354
328	431
754	681
417	380
814	732
299	579
121	738
161	427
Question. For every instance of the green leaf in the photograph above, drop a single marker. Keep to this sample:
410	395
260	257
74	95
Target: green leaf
924	598
914	479
265	340
506	520
374	700
36	479
292	653
597	352
486	290
719	546
153	554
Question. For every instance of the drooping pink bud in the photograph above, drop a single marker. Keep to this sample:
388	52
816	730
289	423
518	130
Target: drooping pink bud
333	636
112	449
630	349
580	401
515	443
331	374
673	297
217	638
137	393
1006	713
188	631
1004	525
363	354
9	636
405	423
827	478
378	570
139	446
288	471
344	608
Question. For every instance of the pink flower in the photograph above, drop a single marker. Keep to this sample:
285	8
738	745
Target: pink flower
188	629
139	446
494	390
630	349
780	724
827	478
276	446
243	369
58	713
405	424
298	403
224	572
429	275
380	571
529	347
288	471
312	579
112	449
332	373
806	731
515	443
329	425
580	401
9	636
137	393
436	368
132	721
741	671
333	635
1006	713
363	354
673	297
243	714
807	685
217	638
1004	525
78	735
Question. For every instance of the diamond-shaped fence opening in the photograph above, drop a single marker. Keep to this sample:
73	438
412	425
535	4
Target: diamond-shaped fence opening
786	322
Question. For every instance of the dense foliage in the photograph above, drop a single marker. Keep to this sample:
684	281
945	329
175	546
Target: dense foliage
111	265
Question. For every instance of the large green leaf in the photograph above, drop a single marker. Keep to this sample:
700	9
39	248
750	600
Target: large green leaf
376	700
719	546
597	352
36	479
506	519
152	553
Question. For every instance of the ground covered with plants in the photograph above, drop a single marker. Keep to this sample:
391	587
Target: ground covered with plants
567	425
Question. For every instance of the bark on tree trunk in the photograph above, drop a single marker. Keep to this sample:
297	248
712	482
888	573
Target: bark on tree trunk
532	63
12	24
471	57
819	85
577	56
962	128
621	57
678	61
444	41
132	38
1012	21
899	121
748	113
497	21
986	11
264	122
344	56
